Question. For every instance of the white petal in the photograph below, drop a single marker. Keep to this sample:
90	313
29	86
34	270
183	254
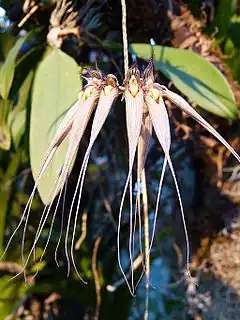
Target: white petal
161	126
181	103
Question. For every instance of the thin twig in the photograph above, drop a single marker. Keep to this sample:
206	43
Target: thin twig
124	36
136	263
96	277
10	267
109	211
23	173
108	208
84	231
179	254
28	15
146	240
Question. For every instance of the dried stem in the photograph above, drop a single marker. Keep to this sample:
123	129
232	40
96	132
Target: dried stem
96	277
9	267
28	15
84	231
124	36
136	263
146	240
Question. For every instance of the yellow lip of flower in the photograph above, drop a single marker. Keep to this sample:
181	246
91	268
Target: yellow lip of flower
149	84
111	82
151	90
154	93
87	92
133	86
107	89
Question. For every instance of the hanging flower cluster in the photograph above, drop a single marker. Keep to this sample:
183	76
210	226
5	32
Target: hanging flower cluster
145	111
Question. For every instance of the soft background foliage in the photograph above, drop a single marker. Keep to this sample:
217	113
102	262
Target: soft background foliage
197	54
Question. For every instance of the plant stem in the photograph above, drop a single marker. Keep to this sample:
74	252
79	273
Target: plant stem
124	36
146	240
28	15
96	278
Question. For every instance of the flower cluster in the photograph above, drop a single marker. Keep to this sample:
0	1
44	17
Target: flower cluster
145	112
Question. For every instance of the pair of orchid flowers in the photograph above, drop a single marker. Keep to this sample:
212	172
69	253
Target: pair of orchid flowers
145	111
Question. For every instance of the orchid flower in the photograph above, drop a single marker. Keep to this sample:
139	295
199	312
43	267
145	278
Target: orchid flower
146	110
98	95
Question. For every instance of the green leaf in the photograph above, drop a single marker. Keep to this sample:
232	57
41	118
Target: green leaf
17	116
5	192
194	76
225	10
5	135
234	30
233	60
10	294
8	68
56	85
17	122
7	41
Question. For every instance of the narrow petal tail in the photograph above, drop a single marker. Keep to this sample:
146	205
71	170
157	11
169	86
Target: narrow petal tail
134	112
103	108
161	126
78	127
61	134
181	103
160	120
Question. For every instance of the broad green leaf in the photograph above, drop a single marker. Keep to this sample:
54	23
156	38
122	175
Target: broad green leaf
194	76
56	85
17	116
5	135
8	68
